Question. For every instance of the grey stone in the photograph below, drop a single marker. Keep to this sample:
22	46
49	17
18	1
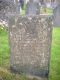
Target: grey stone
56	14
7	7
32	8
30	44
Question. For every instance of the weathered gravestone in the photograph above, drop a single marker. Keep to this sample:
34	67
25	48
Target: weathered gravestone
7	7
32	7
56	13
30	43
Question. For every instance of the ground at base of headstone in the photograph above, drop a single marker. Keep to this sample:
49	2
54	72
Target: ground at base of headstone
30	76
35	78
7	75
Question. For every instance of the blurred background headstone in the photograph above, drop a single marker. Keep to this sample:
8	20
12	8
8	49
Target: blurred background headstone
7	7
32	7
56	14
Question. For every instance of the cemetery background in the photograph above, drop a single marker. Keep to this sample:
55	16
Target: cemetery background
5	54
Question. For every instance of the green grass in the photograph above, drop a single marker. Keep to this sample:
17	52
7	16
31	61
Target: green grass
55	55
4	48
5	54
7	75
48	11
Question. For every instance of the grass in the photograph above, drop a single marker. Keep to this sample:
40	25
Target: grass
5	54
7	75
4	48
55	55
48	11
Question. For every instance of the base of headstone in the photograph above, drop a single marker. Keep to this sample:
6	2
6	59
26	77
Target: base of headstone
30	76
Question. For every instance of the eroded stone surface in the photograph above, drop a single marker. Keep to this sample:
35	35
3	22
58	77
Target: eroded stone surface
30	41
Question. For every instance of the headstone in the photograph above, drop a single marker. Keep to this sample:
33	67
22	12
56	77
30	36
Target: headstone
30	43
56	14
7	7
53	5
32	7
18	7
